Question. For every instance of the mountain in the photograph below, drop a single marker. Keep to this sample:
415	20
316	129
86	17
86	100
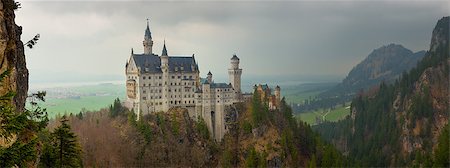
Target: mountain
404	123
386	64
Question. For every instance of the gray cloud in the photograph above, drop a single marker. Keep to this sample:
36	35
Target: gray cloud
272	38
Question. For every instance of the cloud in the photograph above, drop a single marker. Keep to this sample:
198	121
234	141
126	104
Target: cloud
272	38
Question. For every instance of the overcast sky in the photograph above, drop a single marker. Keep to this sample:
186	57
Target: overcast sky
90	40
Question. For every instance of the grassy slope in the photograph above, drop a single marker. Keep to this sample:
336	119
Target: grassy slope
335	115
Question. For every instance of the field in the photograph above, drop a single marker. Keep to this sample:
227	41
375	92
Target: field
299	93
65	100
337	114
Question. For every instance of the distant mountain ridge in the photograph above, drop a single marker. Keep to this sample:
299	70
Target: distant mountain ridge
404	124
386	64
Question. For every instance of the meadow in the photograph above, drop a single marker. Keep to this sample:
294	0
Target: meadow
66	100
334	115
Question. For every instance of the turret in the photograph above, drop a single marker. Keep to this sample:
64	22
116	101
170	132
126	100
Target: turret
209	77
234	73
164	57
278	94
148	42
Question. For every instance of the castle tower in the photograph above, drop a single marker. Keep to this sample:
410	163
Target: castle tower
235	73
209	77
165	77
148	42
278	95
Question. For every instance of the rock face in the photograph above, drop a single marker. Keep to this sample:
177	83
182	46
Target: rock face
12	55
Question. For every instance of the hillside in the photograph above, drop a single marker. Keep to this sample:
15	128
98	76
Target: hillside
258	137
386	64
402	124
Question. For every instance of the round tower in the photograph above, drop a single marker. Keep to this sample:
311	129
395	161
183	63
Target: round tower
235	73
278	94
148	42
165	77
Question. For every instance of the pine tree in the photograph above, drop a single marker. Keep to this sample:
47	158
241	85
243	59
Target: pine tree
18	130
67	148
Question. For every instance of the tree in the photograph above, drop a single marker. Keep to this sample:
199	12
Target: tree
116	108
66	146
441	154
252	158
18	130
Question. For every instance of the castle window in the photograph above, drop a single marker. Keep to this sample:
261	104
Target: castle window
179	77
173	77
144	84
184	77
143	91
143	77
149	77
159	77
160	84
145	98
190	77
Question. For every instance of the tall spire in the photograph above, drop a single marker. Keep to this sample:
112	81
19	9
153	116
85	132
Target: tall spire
148	42
148	34
164	51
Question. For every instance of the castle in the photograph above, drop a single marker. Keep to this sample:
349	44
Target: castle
157	83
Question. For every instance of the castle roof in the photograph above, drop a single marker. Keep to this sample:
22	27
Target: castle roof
264	87
209	73
152	63
164	51
234	57
220	85
148	34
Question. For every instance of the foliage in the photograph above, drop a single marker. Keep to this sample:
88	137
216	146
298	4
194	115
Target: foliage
18	129
441	153
247	127
116	108
202	129
259	110
228	159
30	44
252	159
145	129
63	148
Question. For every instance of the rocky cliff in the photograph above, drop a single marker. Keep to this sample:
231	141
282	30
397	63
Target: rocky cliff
12	55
